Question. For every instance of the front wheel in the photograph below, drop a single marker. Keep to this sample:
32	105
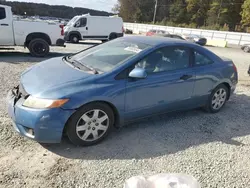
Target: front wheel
74	39
38	47
217	99
90	124
112	36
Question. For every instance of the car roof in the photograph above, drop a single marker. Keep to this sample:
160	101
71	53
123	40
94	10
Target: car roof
156	41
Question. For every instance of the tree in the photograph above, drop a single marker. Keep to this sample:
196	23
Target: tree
198	9
136	10
178	12
246	13
225	12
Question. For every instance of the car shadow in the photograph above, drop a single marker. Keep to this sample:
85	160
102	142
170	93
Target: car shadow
22	57
167	134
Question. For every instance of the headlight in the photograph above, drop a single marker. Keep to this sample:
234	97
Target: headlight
33	102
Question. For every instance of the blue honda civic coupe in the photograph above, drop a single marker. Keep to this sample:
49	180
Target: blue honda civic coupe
86	94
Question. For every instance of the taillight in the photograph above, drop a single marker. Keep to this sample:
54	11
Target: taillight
62	29
150	33
235	68
123	30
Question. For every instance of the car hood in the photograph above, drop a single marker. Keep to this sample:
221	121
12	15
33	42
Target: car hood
49	74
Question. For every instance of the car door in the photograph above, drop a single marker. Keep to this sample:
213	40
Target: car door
206	76
168	86
6	32
82	27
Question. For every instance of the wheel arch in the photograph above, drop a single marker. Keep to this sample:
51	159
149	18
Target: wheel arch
37	35
113	34
227	84
112	106
75	33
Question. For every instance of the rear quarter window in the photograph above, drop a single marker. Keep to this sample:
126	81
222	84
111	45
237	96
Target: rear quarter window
201	60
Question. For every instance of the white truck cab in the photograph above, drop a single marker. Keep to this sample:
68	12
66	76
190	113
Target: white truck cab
37	36
87	27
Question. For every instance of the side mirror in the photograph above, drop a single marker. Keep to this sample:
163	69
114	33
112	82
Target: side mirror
138	73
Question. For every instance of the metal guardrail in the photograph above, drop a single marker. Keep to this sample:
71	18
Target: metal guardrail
230	37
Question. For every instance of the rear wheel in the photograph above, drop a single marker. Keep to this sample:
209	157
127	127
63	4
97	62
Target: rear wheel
217	99
246	49
38	47
74	38
112	36
90	124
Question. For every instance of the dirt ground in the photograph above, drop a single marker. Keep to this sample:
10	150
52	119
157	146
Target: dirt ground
215	149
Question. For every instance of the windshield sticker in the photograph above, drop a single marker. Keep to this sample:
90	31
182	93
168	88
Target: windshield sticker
133	49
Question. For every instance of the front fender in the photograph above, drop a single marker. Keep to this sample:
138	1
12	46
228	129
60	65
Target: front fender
113	94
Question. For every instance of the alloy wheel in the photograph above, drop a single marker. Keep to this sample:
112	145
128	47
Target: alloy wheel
92	125
219	99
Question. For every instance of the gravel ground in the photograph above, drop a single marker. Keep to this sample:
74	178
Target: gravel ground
213	148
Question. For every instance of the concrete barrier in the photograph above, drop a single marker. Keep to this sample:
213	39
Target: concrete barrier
217	43
235	38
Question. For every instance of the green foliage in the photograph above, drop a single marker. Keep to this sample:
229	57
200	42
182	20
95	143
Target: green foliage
246	13
207	14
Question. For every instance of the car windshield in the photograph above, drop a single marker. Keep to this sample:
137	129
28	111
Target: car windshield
107	56
72	21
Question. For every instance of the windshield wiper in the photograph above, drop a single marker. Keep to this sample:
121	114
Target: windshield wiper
90	68
74	62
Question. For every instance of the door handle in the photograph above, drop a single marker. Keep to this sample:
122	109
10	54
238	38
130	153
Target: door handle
87	28
4	24
186	77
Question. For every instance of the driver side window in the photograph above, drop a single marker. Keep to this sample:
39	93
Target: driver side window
82	22
166	59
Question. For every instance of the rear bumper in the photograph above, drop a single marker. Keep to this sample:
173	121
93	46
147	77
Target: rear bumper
44	126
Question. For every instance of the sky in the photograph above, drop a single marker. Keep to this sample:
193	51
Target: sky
105	5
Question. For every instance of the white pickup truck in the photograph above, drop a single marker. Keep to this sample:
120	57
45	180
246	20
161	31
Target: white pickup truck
37	36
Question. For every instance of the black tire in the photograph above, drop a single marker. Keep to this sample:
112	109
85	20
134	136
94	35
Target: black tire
246	49
72	124
38	47
112	36
74	38
209	106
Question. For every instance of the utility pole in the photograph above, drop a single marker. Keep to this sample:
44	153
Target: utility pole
218	17
156	5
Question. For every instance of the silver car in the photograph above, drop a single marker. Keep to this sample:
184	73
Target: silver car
246	48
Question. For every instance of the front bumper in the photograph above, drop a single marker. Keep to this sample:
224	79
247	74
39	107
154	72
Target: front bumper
66	36
44	126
